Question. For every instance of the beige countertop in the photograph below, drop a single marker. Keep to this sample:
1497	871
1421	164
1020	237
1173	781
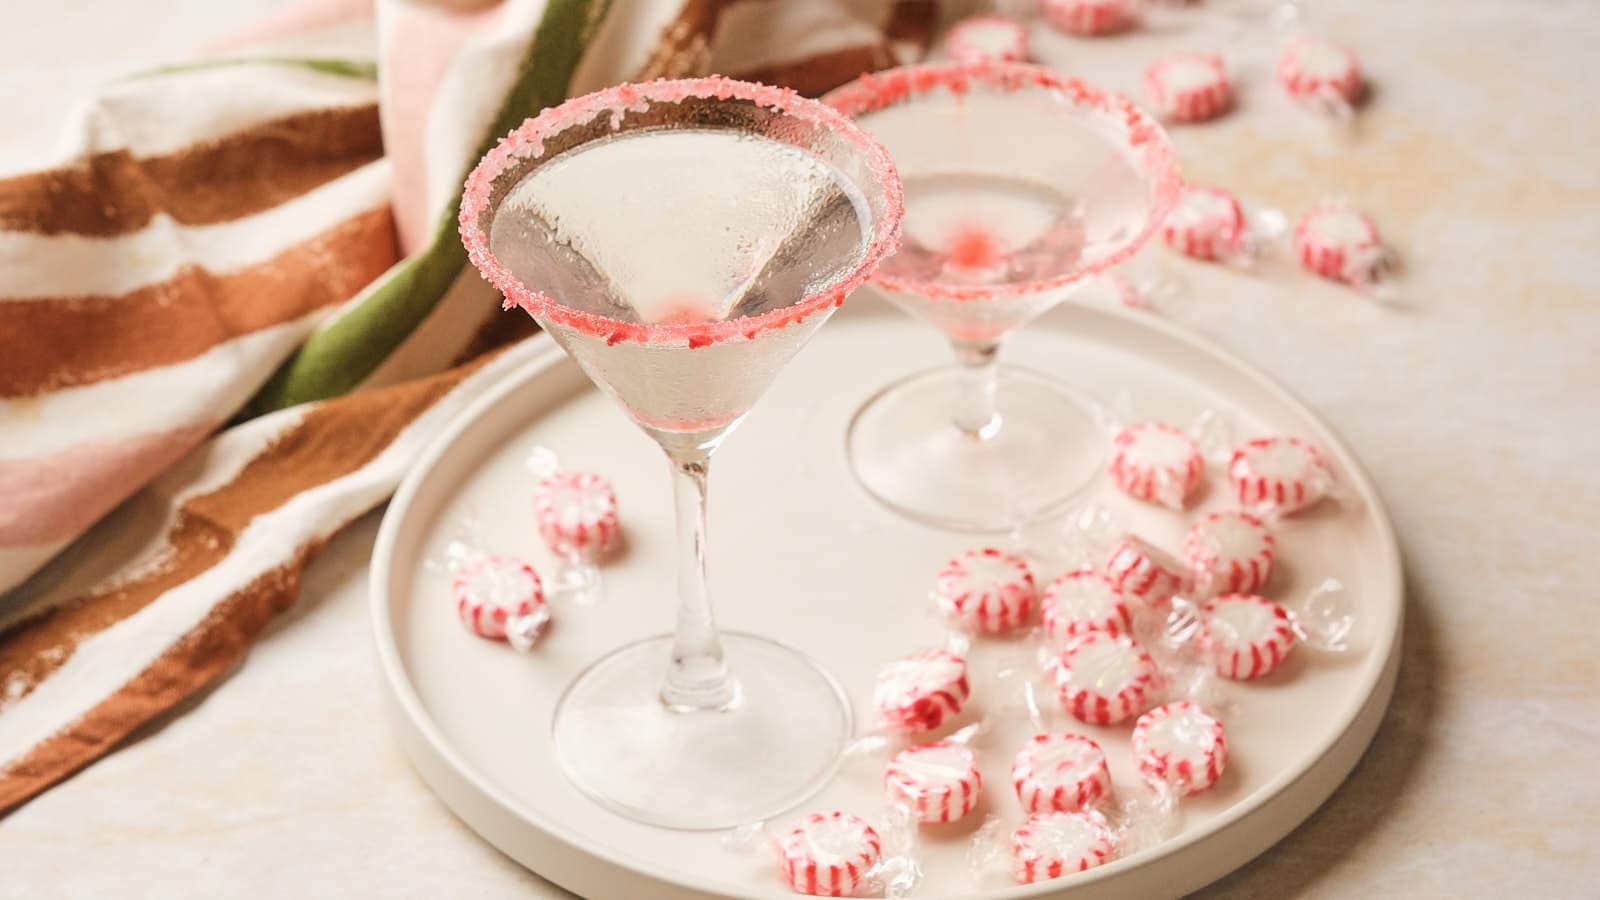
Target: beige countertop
1476	409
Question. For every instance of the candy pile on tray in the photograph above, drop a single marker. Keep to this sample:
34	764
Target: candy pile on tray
1130	640
502	597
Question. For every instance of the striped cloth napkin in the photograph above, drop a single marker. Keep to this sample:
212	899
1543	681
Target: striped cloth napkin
237	309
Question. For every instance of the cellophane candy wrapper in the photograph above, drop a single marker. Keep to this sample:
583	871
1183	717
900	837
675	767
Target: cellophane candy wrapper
835	853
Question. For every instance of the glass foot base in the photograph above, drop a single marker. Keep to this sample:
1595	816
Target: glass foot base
906	451
775	747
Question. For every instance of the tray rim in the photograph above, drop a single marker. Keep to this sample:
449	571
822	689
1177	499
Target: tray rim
1176	867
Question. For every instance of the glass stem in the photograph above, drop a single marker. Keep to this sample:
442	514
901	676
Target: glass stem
975	408
698	678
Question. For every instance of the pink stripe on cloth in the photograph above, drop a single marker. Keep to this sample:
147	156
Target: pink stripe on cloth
428	37
299	18
55	497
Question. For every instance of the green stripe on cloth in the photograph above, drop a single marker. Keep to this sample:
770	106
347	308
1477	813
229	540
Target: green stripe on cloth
340	356
352	68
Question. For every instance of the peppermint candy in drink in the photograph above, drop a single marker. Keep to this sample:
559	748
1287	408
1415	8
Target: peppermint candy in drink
921	691
1157	462
1180	745
1144	572
1088	18
1315	71
829	854
936	782
1340	244
1245	636
1102	680
1208	223
986	591
1054	844
1189	87
576	514
1060	773
990	38
1080	602
501	599
1280	474
1229	553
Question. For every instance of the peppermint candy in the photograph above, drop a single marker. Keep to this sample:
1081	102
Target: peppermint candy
1060	773
1157	462
1340	244
1229	553
1144	572
1207	224
1283	474
1189	87
1311	69
1080	602
576	513
1103	680
501	599
1244	635
829	854
921	691
1180	745
1051	845
937	782
1088	18
986	591
987	39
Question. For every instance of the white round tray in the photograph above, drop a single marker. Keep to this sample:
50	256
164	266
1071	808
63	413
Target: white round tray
801	553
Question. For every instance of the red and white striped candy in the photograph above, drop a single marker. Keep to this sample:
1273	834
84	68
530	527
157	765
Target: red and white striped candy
829	854
1283	473
987	39
493	592
576	513
1050	845
1060	773
1157	462
1181	745
1102	680
1229	553
986	590
937	782
1189	87
1144	572
1312	69
1244	635
1208	223
919	692
1080	602
1340	244
1090	17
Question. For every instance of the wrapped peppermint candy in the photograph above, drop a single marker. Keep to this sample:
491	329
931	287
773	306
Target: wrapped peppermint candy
1089	18
1144	572
836	854
1060	773
1338	243
922	691
1229	552
1103	680
1082	601
1056	844
1244	635
501	599
1180	746
936	782
990	38
1320	74
1189	87
986	591
1279	475
1156	462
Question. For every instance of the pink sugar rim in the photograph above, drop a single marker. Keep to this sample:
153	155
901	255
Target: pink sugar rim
528	140
878	90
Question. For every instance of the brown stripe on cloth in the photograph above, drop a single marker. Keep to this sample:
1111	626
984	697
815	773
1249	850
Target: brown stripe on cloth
331	441
910	22
72	341
684	47
233	176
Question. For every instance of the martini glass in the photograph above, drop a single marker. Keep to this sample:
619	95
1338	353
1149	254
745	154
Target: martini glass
1019	184
682	240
